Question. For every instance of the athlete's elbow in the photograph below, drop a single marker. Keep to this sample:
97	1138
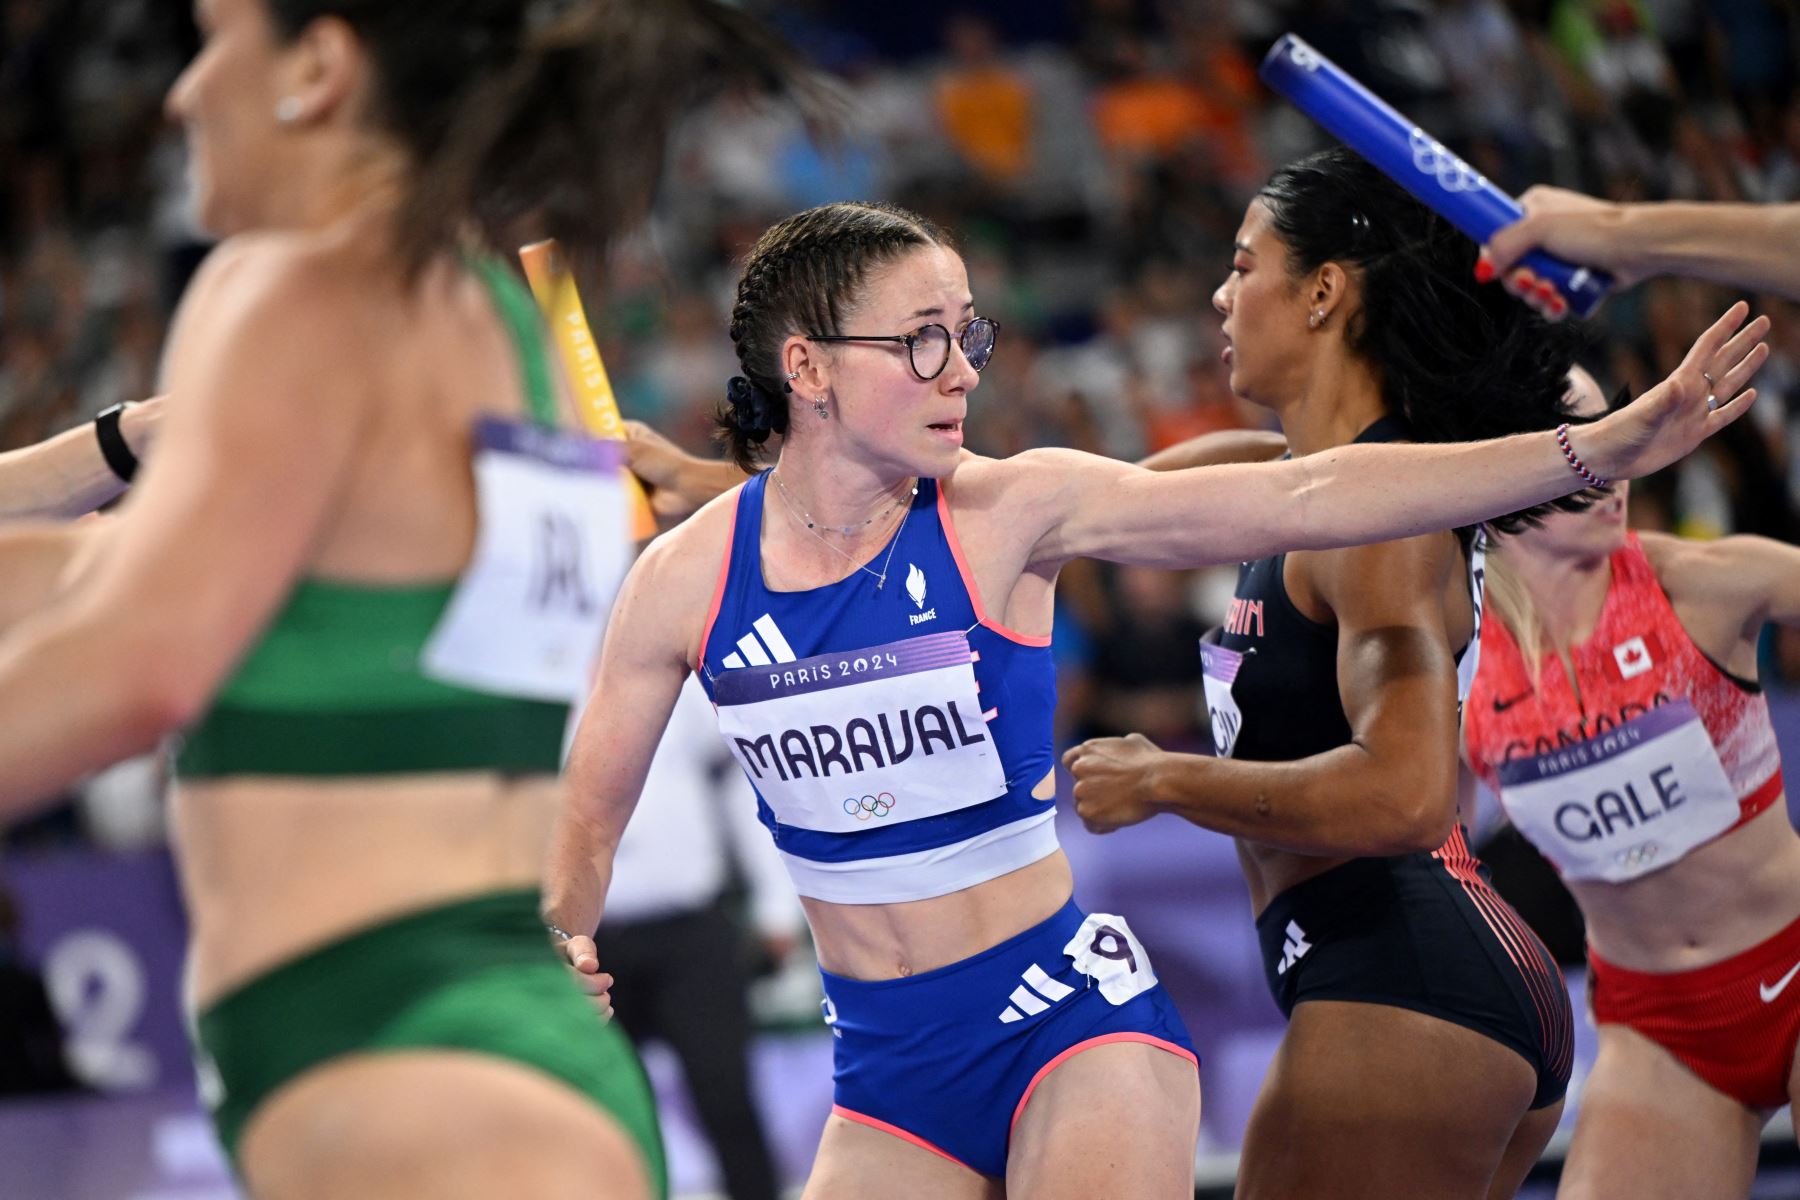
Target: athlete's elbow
1428	828
163	693
151	709
1414	814
1425	815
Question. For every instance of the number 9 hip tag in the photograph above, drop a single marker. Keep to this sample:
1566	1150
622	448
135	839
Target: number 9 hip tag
1105	950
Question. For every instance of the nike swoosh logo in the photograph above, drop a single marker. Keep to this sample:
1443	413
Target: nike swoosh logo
1501	706
1769	993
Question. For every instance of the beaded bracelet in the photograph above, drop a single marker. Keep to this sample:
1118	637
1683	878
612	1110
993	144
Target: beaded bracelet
1575	464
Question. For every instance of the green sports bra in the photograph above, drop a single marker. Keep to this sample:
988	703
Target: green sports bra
336	686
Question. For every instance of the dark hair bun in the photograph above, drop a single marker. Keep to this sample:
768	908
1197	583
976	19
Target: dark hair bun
752	409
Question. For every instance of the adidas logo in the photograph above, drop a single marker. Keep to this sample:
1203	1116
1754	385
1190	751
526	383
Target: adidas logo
1029	1003
1294	949
772	648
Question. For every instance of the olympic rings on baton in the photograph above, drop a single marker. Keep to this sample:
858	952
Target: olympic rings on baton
870	806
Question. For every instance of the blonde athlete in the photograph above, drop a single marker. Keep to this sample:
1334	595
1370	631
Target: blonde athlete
1618	715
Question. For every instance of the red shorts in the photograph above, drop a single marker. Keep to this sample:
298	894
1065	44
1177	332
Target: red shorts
1734	1024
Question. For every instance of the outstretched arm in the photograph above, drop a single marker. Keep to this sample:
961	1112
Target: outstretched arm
1217	449
208	545
1391	790
66	475
642	665
1350	495
39	559
1753	246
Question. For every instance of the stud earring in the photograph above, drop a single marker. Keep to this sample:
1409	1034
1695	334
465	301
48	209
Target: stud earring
819	407
1317	319
287	110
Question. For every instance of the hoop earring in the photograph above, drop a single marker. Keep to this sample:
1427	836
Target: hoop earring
819	407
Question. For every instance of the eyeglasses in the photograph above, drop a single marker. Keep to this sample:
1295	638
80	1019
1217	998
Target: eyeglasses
929	346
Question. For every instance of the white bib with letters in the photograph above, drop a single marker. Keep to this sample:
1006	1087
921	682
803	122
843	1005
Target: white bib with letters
553	544
1626	803
868	738
1218	671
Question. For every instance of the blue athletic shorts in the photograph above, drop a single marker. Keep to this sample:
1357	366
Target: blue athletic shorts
948	1059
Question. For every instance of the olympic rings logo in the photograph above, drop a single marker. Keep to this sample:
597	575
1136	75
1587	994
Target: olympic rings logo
870	806
1452	173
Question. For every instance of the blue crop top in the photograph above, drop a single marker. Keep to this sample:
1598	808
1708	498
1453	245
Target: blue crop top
894	734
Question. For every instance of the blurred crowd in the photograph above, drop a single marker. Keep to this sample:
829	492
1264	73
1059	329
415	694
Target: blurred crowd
1093	158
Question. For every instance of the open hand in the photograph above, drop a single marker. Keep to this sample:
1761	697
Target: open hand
1112	781
1700	397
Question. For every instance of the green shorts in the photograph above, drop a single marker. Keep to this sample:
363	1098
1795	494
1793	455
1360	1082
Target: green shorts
473	975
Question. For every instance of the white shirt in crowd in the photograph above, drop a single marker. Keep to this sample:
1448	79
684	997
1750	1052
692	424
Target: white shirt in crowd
697	815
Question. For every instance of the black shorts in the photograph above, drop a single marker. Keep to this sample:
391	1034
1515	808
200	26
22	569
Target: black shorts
1423	931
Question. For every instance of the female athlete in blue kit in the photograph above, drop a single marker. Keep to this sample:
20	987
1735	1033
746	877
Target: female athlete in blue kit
872	619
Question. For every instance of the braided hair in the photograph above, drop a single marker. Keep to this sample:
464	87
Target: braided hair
801	277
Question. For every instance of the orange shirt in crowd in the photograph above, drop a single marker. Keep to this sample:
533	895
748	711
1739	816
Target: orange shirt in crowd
986	112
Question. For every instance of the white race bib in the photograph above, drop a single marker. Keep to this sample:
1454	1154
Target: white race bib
554	542
1626	803
863	739
1105	950
1218	671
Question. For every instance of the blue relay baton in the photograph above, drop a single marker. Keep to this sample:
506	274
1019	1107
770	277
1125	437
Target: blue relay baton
1415	160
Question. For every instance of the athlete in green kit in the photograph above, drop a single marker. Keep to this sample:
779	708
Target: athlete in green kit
364	571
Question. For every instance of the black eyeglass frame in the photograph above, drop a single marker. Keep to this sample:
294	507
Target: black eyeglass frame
911	341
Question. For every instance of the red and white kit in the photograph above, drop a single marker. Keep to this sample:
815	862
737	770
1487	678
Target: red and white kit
1662	752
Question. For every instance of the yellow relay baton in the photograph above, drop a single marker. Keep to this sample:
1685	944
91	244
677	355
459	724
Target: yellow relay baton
554	287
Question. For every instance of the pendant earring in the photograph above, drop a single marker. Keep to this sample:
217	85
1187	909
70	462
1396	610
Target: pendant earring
287	110
819	407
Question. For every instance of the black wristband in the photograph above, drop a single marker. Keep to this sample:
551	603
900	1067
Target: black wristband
113	447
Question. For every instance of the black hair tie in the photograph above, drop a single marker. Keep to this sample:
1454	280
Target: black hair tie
752	409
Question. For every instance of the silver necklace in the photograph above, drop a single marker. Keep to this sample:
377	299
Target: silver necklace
801	516
787	498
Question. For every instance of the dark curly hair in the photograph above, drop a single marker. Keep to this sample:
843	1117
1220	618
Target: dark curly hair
1458	360
800	277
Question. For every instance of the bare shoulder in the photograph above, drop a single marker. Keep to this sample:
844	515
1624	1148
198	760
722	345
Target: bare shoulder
251	267
1694	570
1742	575
1024	479
672	584
977	478
1383	578
694	550
292	300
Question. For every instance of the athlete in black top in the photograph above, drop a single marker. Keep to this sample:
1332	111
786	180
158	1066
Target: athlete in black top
1429	1037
